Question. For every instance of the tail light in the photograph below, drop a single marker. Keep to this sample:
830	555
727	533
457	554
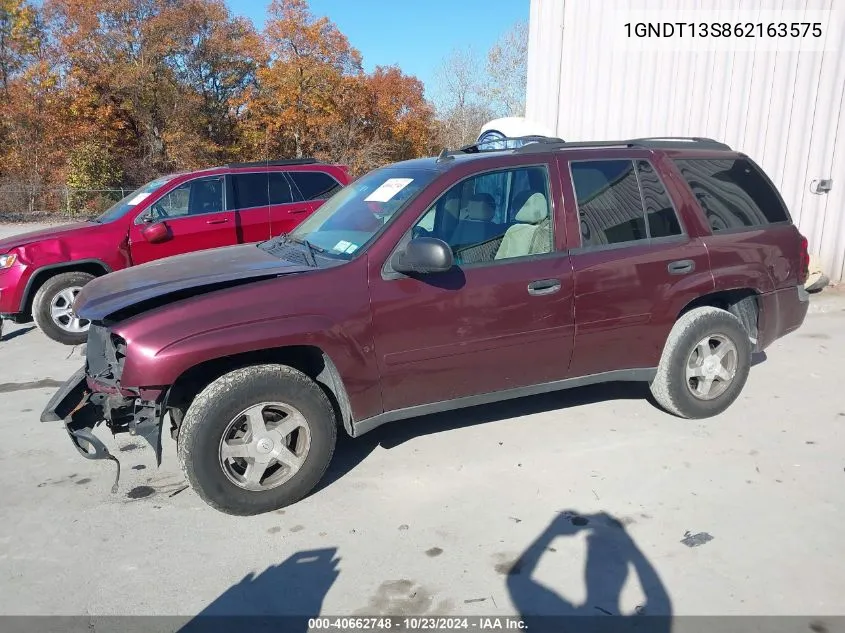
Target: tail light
804	266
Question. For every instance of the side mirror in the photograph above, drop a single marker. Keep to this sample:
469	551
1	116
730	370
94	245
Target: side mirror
423	255
155	233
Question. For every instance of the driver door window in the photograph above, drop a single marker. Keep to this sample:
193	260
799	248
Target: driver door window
492	216
196	197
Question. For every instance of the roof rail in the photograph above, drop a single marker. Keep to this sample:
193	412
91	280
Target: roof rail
275	163
658	142
699	141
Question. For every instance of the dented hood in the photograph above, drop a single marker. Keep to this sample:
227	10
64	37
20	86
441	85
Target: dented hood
202	270
22	239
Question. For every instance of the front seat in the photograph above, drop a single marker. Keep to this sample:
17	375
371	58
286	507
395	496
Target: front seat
532	234
476	224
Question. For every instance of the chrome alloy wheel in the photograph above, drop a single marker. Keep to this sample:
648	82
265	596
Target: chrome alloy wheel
264	446
711	367
61	311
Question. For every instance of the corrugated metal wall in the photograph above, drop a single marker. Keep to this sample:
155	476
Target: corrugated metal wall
782	108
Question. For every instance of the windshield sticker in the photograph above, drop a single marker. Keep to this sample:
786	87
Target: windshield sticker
341	246
139	198
388	189
352	248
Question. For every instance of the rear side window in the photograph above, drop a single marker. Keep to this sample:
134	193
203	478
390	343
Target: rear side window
660	214
250	190
281	191
610	209
621	201
314	185
732	192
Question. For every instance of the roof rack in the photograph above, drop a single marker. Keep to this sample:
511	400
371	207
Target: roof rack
275	163
653	142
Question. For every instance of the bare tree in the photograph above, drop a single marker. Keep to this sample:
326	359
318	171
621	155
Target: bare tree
461	107
507	72
471	91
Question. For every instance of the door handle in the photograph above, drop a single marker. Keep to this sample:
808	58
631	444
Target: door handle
681	267
543	287
217	221
303	210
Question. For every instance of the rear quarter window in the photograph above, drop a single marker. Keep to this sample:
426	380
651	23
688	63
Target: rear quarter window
314	185
733	193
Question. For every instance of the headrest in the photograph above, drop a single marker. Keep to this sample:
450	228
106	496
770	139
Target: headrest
534	211
481	207
452	206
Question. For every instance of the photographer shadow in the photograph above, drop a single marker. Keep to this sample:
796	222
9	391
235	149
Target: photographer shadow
611	556
281	598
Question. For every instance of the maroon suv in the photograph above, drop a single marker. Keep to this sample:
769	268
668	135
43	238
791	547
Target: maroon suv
441	283
42	272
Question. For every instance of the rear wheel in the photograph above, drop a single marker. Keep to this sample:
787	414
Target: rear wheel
704	365
257	439
52	308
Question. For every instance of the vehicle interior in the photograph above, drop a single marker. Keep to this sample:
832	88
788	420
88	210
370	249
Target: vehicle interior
496	215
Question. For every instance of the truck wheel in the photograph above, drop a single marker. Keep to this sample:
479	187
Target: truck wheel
52	308
257	439
704	364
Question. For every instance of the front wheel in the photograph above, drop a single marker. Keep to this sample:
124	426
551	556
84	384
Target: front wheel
52	308
257	439
704	365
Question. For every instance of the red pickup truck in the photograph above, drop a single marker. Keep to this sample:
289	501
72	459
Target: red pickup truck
41	272
441	283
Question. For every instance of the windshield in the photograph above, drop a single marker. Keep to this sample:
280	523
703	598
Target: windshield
355	214
120	208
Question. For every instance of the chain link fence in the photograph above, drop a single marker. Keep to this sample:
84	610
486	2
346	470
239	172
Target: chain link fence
20	204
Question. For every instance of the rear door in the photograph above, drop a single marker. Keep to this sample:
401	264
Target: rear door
634	261
251	204
287	207
314	187
193	218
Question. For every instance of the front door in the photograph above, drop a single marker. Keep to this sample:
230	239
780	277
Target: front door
193	218
501	318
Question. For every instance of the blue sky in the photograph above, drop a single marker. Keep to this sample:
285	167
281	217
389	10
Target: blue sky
414	34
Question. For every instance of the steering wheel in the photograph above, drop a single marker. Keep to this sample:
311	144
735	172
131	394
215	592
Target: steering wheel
419	231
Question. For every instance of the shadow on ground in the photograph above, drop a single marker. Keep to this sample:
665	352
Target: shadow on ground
281	598
284	597
351	452
611	556
15	333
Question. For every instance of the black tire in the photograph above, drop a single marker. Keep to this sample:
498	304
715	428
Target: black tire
671	387
43	299
210	414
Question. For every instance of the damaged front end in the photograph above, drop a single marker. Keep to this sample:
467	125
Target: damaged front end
93	396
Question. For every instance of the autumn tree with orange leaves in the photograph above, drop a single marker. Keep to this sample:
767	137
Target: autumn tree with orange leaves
93	92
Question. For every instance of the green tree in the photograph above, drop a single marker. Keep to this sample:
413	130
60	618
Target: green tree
92	169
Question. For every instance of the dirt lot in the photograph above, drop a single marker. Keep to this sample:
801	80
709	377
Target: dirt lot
457	513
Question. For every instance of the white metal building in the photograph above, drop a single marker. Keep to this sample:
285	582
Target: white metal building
777	99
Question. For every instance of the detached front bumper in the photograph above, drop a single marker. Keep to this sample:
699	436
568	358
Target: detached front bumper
82	409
